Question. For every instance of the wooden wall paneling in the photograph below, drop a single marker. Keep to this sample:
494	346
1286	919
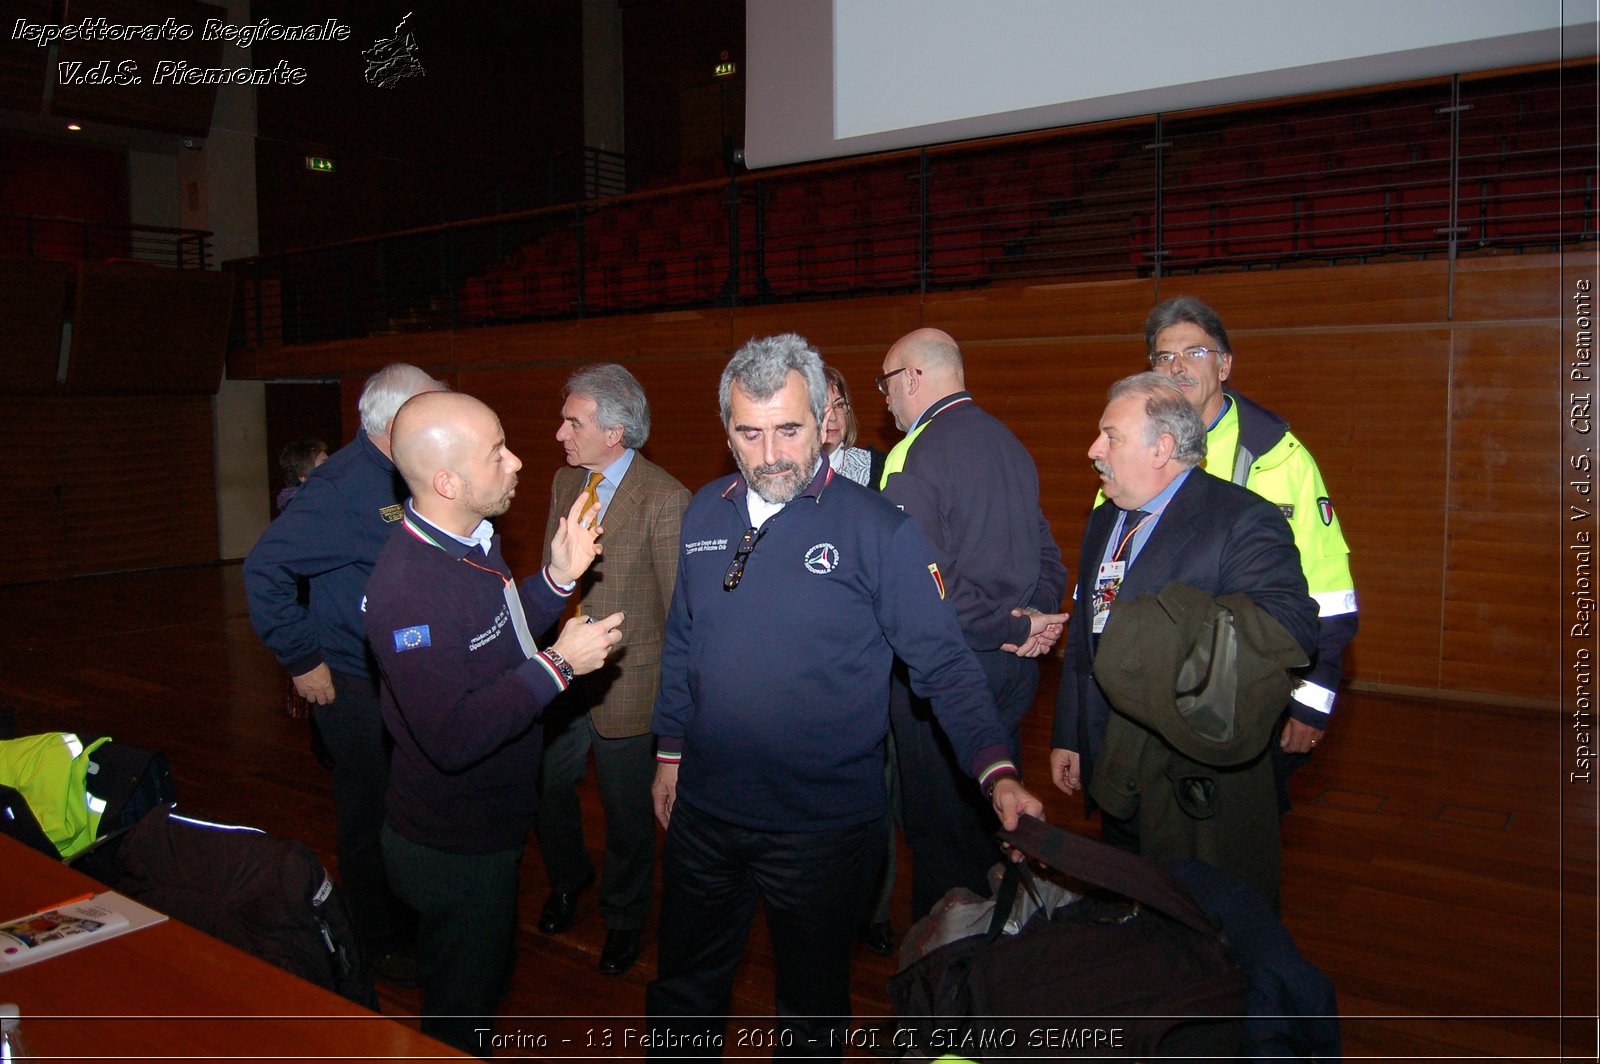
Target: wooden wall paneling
1504	515
669	334
1053	403
1358	359
686	434
833	325
33	305
1510	287
1031	311
1331	296
141	330
138	485
1371	405
552	341
1499	611
30	521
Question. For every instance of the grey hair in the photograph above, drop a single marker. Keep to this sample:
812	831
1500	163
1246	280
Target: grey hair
618	399
1167	412
761	368
387	390
1184	310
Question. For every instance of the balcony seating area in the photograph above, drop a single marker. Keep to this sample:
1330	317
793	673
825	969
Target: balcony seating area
1488	165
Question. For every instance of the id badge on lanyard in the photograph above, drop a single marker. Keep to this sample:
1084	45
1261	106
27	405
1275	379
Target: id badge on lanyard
1106	586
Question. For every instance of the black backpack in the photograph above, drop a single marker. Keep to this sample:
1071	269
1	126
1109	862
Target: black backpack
267	896
1133	970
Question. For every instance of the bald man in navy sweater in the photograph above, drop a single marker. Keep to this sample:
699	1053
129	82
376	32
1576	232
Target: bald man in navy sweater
464	688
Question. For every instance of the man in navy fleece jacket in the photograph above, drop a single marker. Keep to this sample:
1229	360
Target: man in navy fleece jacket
464	688
330	539
796	589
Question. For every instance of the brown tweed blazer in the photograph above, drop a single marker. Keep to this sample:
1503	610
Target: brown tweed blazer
635	573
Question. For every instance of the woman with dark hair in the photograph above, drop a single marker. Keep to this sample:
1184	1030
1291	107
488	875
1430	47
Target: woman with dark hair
864	465
297	460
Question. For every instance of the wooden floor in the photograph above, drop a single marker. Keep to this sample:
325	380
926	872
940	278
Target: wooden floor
1438	866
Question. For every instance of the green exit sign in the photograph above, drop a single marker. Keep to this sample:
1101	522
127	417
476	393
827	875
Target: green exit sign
319	164
725	70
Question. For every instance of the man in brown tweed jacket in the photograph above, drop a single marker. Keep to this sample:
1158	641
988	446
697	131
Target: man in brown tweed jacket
604	421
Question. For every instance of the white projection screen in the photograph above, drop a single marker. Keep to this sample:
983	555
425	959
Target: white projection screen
826	78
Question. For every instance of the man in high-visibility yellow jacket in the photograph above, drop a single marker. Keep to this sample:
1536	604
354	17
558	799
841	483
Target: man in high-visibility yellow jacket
1251	446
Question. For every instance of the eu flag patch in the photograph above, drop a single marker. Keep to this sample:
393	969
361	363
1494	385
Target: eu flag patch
411	638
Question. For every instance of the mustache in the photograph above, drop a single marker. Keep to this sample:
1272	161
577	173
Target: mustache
1101	467
776	468
1184	378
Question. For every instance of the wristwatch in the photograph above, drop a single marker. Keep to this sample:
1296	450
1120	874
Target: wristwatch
560	663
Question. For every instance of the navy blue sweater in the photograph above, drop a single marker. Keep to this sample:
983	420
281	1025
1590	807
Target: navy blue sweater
775	695
330	533
459	697
973	489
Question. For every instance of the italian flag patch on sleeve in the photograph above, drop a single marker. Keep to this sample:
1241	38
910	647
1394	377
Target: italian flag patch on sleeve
938	578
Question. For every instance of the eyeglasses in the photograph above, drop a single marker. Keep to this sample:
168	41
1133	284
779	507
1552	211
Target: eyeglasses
1193	354
747	544
841	405
883	381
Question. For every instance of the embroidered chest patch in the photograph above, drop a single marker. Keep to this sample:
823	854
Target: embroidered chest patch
822	558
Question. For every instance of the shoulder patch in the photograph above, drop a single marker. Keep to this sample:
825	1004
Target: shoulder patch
1288	510
938	578
1325	509
391	514
412	638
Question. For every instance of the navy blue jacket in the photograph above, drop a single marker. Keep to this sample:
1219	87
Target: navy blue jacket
973	489
459	697
330	534
1213	535
776	694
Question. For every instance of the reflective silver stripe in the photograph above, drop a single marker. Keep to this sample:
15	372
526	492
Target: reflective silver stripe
1335	603
1314	696
1242	461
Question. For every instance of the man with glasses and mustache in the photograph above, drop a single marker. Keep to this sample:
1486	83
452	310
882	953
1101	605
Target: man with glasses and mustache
796	589
1253	447
973	489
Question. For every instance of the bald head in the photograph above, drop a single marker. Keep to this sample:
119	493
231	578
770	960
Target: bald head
451	451
926	366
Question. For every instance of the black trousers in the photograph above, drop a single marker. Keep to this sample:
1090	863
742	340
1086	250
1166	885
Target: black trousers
352	728
468	907
624	769
948	822
815	886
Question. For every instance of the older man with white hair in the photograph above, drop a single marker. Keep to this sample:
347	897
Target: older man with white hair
329	540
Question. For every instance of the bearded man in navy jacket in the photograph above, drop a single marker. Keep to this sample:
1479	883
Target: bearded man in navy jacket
796	589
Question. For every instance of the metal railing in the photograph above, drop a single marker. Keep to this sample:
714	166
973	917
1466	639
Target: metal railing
1450	167
77	239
